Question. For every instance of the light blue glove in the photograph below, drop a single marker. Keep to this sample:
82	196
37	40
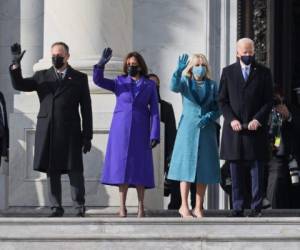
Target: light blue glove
204	121
182	62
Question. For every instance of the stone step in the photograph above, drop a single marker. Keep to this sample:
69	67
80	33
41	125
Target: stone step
158	232
132	211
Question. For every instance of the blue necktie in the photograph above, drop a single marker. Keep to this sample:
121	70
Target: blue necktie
245	73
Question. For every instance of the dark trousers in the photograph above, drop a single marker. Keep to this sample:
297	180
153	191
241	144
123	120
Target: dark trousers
77	188
238	175
278	183
175	198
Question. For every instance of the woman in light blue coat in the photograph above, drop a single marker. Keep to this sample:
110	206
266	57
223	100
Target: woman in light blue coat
195	157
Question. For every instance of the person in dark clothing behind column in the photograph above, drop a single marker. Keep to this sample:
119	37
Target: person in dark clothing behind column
168	118
278	177
294	108
61	135
4	132
245	99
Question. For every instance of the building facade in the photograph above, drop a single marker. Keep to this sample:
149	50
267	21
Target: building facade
159	30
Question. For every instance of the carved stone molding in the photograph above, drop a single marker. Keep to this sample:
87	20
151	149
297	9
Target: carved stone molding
252	23
260	29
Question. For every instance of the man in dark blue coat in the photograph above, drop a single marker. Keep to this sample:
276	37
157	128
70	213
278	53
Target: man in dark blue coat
245	100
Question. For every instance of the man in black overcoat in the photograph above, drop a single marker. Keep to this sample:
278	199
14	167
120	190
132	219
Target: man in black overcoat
294	132
277	170
245	100
61	133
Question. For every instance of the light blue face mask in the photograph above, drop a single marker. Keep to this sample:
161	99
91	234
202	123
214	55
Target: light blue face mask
199	71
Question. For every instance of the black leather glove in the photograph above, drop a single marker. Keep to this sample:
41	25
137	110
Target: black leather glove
106	55
154	143
86	146
16	53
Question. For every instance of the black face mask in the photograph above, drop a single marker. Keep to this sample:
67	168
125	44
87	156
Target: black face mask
133	70
58	61
247	60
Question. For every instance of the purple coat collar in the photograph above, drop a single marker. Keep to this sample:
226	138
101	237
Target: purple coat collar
127	80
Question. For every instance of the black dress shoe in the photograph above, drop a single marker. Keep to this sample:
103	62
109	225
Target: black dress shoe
57	212
80	212
235	213
255	213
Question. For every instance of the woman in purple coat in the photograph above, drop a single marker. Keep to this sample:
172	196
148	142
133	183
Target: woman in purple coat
134	129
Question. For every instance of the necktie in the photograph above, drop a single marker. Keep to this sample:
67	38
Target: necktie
60	76
246	73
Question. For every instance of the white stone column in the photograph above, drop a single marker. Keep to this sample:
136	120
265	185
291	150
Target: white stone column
221	47
31	39
88	27
9	32
228	43
31	33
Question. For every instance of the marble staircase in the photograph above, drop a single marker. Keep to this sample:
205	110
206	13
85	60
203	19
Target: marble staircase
102	229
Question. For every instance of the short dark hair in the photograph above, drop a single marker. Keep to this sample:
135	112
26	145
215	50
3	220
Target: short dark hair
62	44
140	60
155	76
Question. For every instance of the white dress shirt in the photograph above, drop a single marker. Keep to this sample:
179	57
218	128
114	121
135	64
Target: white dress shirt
64	72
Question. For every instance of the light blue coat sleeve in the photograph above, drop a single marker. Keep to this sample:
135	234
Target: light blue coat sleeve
178	84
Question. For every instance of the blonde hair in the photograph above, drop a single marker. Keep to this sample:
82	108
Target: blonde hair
188	70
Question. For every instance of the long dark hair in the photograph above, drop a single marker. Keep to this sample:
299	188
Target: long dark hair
140	60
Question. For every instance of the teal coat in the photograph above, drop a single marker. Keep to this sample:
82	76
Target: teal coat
195	155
